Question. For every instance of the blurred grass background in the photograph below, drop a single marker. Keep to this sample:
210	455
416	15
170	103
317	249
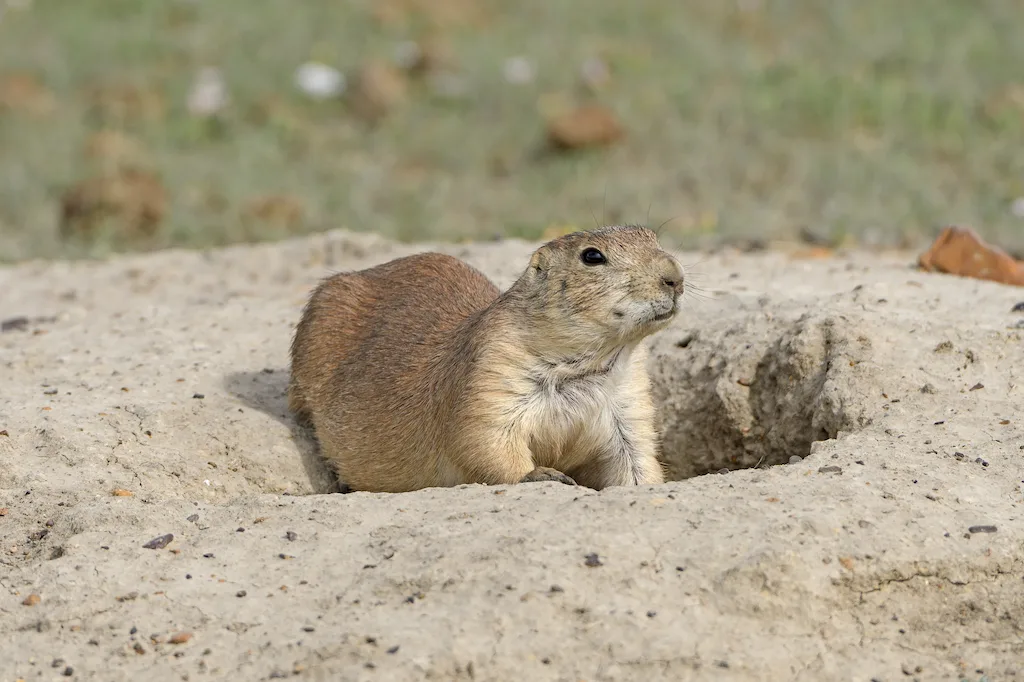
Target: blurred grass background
746	121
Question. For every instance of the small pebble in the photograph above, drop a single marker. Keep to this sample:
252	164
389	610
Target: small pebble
159	542
593	560
652	614
796	459
240	593
208	95
13	324
557	588
982	529
198	396
291	536
831	469
69	671
192	518
1019	308
393	650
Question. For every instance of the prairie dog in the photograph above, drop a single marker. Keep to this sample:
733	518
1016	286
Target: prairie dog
420	373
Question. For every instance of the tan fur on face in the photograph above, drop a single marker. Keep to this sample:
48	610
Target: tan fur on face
420	373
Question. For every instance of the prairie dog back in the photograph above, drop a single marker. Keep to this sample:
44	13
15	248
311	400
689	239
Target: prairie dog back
366	342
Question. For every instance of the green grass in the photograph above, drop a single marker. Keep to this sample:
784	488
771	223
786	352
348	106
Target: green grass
873	121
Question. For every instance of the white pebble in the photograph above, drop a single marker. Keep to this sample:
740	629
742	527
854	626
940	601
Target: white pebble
1017	207
518	70
209	93
319	81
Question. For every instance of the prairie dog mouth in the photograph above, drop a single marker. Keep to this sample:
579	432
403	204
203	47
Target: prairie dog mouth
664	316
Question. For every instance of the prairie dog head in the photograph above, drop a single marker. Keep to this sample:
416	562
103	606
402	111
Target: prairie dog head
604	288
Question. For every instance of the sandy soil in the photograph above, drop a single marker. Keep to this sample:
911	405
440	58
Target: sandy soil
869	523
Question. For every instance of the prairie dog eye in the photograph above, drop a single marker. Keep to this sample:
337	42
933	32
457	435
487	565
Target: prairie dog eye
592	256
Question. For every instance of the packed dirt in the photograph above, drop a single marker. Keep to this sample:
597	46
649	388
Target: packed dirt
847	434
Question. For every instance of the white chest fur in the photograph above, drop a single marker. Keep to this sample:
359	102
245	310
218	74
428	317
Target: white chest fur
573	407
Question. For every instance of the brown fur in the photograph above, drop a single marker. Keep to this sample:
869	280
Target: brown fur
420	372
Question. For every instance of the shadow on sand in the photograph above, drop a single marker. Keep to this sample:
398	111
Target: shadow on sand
267	391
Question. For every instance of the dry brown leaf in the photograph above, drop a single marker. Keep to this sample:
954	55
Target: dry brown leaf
960	251
134	200
428	55
812	253
123	103
112	146
24	93
377	88
281	211
590	125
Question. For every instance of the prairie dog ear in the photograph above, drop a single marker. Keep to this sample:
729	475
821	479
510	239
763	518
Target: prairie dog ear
539	261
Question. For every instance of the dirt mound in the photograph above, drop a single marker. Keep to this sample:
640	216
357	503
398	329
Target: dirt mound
144	396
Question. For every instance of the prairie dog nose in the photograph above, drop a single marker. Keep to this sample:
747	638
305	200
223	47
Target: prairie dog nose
672	276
